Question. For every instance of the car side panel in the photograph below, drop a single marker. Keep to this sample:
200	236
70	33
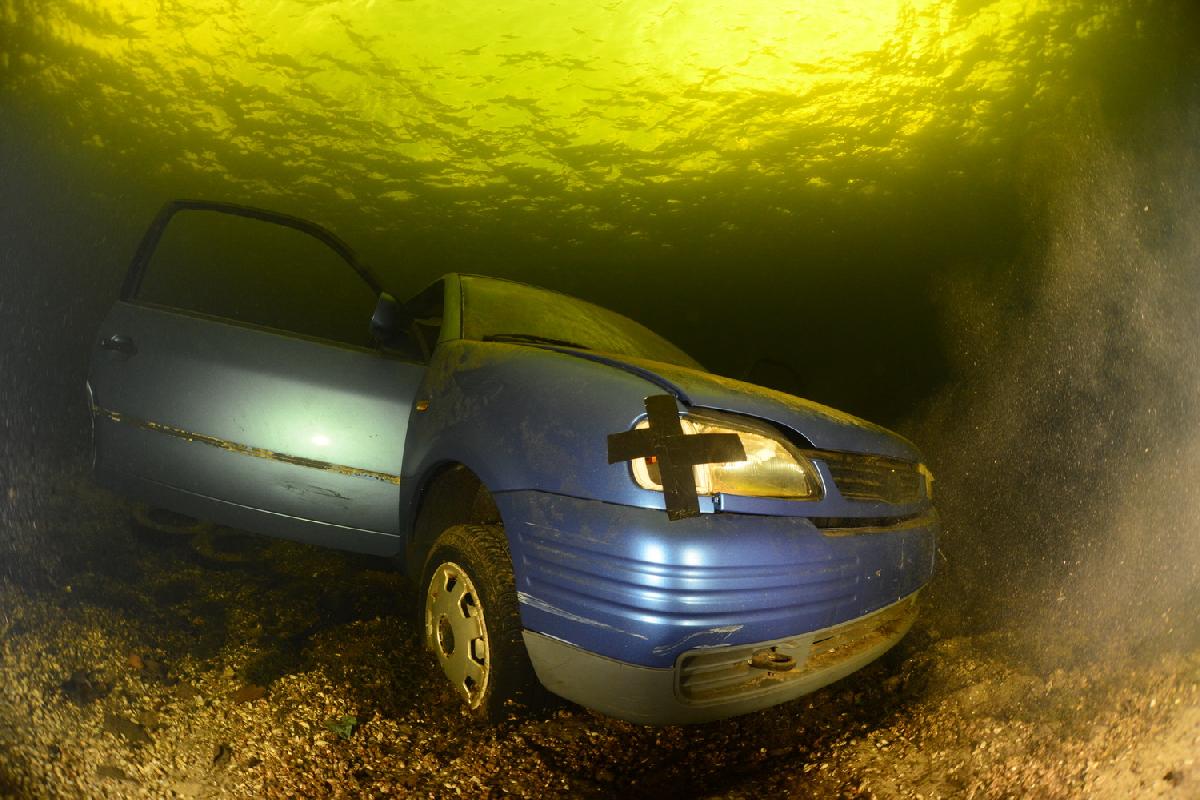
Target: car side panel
261	419
194	466
235	515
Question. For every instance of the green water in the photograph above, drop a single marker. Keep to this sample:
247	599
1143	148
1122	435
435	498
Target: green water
779	183
977	221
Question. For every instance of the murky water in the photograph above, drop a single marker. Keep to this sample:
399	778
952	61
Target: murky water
393	107
792	172
1067	439
890	207
977	221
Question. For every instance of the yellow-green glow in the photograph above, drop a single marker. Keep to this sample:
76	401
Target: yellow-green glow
379	103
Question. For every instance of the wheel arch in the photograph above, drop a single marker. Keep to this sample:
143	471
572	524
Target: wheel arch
450	494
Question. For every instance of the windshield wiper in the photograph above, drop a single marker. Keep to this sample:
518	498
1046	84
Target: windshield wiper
532	338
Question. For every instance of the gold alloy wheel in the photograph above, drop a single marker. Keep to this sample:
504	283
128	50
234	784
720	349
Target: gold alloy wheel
456	632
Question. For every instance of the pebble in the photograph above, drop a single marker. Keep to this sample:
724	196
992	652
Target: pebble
130	731
249	693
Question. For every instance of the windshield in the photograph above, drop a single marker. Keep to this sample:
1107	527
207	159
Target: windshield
497	310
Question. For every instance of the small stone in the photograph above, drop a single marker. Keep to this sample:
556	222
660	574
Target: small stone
154	670
249	693
130	731
82	688
222	755
111	772
189	789
343	726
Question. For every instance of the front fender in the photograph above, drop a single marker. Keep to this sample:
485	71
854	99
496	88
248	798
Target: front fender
526	418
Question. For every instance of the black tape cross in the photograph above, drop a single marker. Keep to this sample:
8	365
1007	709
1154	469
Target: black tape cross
676	452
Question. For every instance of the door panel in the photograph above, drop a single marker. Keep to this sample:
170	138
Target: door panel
288	425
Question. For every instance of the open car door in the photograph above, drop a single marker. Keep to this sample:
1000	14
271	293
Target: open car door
235	380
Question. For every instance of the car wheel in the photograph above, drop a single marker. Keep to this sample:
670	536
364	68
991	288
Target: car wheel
471	619
160	520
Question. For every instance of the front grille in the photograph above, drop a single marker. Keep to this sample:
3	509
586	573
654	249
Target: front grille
862	477
722	674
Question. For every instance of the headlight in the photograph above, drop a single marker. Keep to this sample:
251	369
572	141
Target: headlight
772	468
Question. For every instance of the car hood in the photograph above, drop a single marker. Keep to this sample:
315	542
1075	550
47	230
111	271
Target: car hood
825	427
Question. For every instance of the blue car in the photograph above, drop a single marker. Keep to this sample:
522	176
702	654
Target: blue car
581	504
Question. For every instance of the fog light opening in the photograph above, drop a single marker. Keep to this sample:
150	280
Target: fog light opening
771	659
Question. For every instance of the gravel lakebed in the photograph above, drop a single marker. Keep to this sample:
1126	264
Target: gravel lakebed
136	665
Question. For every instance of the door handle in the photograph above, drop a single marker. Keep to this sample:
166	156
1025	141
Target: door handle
119	342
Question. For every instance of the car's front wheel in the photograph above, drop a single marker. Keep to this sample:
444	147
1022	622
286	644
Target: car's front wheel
471	620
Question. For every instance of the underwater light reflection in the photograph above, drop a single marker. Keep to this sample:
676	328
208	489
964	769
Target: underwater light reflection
388	102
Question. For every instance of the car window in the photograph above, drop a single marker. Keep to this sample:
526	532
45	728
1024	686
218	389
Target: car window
258	272
497	310
426	312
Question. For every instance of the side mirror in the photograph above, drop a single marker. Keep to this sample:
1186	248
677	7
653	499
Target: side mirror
388	323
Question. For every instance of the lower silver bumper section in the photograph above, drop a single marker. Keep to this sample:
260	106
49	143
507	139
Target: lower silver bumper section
716	682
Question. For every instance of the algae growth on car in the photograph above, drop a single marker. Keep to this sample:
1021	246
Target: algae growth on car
669	547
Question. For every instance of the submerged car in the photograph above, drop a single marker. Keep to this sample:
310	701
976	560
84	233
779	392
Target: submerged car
581	503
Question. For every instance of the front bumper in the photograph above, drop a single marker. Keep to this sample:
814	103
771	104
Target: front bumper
626	584
712	683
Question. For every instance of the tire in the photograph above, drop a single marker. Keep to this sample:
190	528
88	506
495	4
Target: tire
471	621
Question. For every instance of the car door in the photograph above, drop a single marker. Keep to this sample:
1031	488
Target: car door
235	379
